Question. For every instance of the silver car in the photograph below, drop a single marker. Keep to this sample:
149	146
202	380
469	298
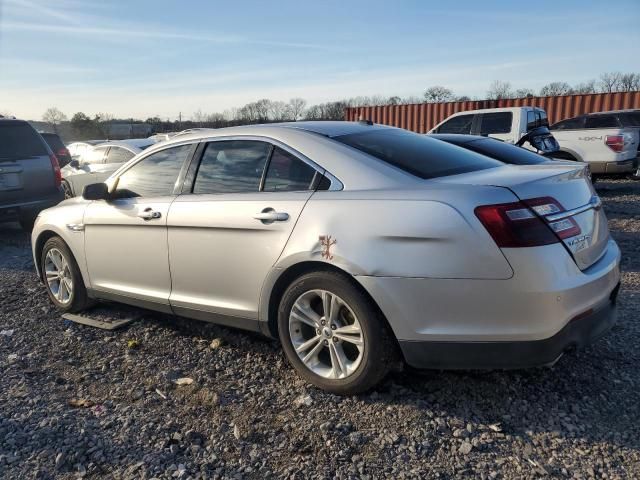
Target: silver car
97	162
354	244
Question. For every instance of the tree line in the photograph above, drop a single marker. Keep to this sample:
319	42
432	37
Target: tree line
82	126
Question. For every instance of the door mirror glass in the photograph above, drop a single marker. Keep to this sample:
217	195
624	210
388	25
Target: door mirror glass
96	191
74	164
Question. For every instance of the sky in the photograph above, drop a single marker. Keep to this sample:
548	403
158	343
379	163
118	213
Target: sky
143	58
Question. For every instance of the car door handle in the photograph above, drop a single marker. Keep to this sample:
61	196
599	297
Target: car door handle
149	214
270	215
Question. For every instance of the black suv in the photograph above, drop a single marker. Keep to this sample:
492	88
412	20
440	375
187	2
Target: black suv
30	178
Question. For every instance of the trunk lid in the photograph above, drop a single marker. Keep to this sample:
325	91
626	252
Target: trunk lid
570	187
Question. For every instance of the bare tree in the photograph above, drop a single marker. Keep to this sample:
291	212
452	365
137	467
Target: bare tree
54	117
554	89
199	117
524	93
629	82
499	90
395	100
296	108
462	98
585	87
438	94
278	111
610	82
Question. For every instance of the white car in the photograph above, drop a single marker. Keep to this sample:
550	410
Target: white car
97	162
352	243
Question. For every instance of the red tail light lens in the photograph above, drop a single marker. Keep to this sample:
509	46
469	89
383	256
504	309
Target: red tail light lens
614	142
57	174
520	224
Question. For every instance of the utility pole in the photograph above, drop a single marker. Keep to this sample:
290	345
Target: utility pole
180	121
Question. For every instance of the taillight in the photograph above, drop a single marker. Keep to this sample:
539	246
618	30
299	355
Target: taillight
57	174
520	224
614	142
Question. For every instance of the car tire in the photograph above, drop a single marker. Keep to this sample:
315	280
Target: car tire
66	188
325	351
67	291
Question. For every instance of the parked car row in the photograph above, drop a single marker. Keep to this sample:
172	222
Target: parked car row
609	142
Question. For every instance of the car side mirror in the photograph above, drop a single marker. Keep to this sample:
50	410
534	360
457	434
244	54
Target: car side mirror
96	191
74	163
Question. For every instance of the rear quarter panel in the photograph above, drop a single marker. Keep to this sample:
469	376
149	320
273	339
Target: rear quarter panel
403	234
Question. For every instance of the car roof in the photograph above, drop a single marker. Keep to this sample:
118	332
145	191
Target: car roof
12	121
492	110
324	128
133	144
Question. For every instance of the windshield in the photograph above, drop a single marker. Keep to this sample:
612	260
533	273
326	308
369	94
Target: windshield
417	154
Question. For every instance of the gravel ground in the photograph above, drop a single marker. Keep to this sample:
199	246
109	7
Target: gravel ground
77	401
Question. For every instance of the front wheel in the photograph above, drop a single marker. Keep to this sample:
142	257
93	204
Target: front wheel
66	188
332	334
62	276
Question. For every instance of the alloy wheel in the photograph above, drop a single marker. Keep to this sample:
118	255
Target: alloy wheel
326	334
58	275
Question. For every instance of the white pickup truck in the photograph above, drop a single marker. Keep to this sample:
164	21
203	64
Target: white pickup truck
506	124
608	141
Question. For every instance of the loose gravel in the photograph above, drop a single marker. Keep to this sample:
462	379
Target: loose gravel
77	402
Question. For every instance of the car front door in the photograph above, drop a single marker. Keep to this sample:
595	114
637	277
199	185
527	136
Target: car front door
126	236
498	125
228	230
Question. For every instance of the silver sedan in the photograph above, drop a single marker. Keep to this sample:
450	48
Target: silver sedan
357	245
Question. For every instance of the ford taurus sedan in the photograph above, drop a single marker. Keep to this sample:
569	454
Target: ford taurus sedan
354	244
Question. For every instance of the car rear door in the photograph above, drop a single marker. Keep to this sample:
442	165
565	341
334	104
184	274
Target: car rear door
26	170
126	237
231	225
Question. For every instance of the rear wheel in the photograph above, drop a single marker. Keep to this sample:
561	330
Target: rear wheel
66	188
62	277
332	334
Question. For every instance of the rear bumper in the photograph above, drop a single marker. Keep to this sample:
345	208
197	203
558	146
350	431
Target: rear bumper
625	166
579	332
14	211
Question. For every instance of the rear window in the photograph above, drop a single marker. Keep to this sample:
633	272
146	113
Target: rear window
416	154
630	119
53	141
505	152
460	124
601	121
498	122
20	140
569	124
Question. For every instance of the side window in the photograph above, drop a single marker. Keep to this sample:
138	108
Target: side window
460	124
155	176
119	155
531	120
286	173
499	122
234	166
94	155
601	121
